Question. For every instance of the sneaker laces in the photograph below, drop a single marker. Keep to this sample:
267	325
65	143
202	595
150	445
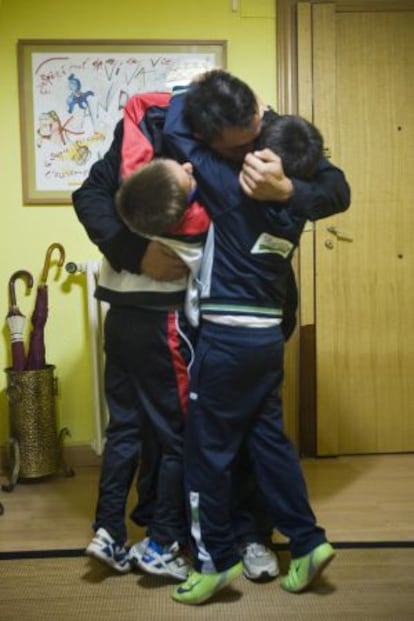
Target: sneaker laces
103	536
173	550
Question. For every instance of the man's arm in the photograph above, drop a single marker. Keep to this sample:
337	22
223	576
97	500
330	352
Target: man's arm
95	208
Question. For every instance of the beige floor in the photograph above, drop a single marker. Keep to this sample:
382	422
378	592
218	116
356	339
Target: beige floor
355	499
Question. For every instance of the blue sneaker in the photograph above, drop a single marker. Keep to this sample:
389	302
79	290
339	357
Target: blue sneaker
104	548
164	561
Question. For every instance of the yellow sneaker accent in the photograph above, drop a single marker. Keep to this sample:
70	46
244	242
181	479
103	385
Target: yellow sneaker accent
198	588
304	570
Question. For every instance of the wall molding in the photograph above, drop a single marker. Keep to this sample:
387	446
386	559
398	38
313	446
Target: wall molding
78	456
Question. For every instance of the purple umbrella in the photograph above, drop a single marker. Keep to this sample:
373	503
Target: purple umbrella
16	321
36	358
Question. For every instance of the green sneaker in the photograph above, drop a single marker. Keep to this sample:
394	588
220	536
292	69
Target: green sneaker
304	570
200	587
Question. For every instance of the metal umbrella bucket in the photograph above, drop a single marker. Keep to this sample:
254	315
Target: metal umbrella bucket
31	397
36	447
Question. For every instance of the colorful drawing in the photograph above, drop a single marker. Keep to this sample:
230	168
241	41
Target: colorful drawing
51	128
75	95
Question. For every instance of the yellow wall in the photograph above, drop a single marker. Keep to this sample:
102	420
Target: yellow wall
27	231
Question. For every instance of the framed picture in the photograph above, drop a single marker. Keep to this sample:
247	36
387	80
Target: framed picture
72	94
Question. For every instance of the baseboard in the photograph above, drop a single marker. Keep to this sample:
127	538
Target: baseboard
75	457
277	547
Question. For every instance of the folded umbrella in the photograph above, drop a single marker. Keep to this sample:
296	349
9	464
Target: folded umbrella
16	321
36	357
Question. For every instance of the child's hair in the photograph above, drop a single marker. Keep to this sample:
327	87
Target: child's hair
298	143
151	200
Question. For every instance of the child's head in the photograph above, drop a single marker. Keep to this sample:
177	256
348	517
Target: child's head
154	198
298	143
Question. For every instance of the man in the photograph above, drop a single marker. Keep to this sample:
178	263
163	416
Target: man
237	122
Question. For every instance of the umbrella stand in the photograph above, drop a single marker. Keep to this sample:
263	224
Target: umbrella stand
35	446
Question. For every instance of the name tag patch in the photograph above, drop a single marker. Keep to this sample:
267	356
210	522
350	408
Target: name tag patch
269	243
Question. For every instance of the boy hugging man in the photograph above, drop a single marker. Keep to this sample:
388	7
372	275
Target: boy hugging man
156	200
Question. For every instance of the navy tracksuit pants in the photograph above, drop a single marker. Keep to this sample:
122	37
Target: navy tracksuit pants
146	385
234	397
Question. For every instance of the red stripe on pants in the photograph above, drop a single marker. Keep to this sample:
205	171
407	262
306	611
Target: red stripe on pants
178	362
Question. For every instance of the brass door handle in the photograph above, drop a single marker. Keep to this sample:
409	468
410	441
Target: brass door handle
340	234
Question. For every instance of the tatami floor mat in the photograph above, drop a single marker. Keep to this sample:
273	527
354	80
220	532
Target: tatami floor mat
360	584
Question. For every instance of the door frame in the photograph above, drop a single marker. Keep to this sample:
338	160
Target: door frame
287	68
304	347
286	41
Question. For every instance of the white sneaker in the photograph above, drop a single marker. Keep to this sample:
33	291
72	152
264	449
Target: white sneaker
137	551
164	561
104	548
259	562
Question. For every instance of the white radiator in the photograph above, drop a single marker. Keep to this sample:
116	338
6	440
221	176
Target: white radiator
96	313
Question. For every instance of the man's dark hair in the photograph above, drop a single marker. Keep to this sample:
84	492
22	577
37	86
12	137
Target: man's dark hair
218	100
151	200
296	141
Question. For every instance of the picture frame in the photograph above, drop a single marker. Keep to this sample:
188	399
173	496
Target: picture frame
72	93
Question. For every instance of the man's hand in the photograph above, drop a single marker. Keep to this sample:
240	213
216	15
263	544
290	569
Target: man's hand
262	177
162	263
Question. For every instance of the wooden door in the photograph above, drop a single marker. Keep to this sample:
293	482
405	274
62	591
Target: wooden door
363	101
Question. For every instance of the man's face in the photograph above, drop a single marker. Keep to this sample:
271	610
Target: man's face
235	142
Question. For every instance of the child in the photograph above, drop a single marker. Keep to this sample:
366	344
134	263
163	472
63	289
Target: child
160	182
156	197
157	201
148	350
298	143
238	371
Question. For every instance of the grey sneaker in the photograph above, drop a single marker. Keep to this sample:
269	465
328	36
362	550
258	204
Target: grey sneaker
137	551
165	561
259	562
104	548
